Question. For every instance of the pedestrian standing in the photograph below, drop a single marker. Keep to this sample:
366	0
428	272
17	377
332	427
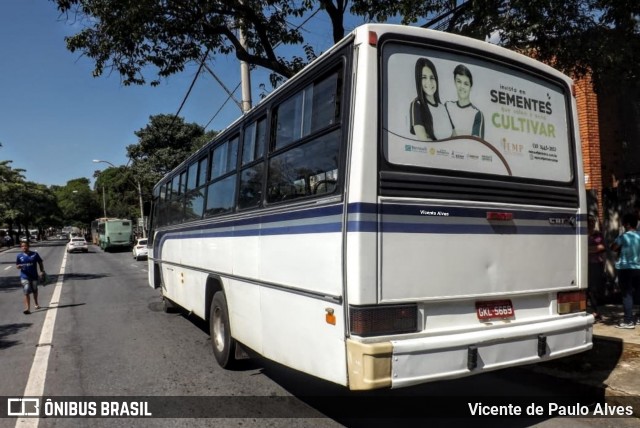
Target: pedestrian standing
628	266
597	251
28	261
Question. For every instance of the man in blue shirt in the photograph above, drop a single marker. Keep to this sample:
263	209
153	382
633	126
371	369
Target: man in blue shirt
628	266
28	262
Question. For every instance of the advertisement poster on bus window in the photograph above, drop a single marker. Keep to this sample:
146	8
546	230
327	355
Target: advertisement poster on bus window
450	111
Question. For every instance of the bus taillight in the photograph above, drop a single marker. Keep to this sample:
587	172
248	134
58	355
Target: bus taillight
381	320
572	301
373	38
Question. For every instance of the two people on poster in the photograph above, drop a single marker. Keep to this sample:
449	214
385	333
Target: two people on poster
431	119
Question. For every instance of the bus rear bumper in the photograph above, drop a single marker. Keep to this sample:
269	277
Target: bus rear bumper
401	363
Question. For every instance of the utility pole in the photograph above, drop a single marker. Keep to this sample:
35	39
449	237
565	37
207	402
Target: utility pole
104	202
245	76
144	233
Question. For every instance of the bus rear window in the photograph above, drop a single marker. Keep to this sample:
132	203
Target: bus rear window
449	111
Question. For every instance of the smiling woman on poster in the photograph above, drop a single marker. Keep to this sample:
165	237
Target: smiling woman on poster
429	118
466	118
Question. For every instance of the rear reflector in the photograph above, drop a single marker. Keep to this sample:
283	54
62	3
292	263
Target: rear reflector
499	216
572	301
381	320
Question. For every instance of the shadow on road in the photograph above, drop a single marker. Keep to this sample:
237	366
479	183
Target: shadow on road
9	330
594	366
84	276
9	283
46	308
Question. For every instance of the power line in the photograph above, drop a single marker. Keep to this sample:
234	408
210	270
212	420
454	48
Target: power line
193	82
222	106
230	93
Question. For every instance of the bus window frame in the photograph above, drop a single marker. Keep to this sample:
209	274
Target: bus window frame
338	68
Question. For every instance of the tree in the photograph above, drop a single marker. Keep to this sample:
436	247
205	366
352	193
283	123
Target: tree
11	182
600	37
127	36
162	145
119	191
78	204
33	205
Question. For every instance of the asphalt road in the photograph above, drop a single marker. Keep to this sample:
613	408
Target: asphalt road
112	341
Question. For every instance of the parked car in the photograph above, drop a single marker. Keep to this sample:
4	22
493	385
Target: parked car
77	244
140	250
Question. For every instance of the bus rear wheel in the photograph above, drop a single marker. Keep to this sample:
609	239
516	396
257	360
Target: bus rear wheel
223	344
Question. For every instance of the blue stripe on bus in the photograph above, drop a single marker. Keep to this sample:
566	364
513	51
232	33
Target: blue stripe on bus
282	230
264	225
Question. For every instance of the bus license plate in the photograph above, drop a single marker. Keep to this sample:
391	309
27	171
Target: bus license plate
495	309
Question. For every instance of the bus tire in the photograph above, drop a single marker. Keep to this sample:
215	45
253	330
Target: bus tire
221	341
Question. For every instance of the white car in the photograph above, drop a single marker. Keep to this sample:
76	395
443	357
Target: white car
77	244
140	250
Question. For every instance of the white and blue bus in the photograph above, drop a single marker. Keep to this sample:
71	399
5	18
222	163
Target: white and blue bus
325	231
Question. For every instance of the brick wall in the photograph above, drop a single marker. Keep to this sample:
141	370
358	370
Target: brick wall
590	137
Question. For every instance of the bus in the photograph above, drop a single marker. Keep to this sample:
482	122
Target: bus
95	235
114	234
324	230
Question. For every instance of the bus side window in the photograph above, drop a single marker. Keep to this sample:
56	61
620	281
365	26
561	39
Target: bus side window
251	176
307	170
306	136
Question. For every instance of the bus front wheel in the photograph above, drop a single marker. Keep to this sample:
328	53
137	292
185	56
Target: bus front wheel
221	341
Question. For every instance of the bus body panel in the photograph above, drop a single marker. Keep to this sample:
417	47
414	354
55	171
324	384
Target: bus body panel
277	251
266	279
362	171
297	334
430	250
245	313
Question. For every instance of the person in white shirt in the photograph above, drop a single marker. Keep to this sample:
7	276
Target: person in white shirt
466	118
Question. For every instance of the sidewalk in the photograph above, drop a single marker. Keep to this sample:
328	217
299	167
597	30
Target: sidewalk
613	364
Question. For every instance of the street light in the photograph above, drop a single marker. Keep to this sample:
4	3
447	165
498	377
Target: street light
137	182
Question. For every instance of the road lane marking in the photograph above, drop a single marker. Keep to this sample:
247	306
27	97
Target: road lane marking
38	373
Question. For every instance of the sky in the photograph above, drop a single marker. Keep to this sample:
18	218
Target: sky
55	117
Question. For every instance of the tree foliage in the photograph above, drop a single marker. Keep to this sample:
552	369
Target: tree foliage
163	144
78	204
23	204
116	190
28	205
126	36
599	36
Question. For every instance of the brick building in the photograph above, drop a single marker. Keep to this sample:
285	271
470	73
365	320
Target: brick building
609	124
